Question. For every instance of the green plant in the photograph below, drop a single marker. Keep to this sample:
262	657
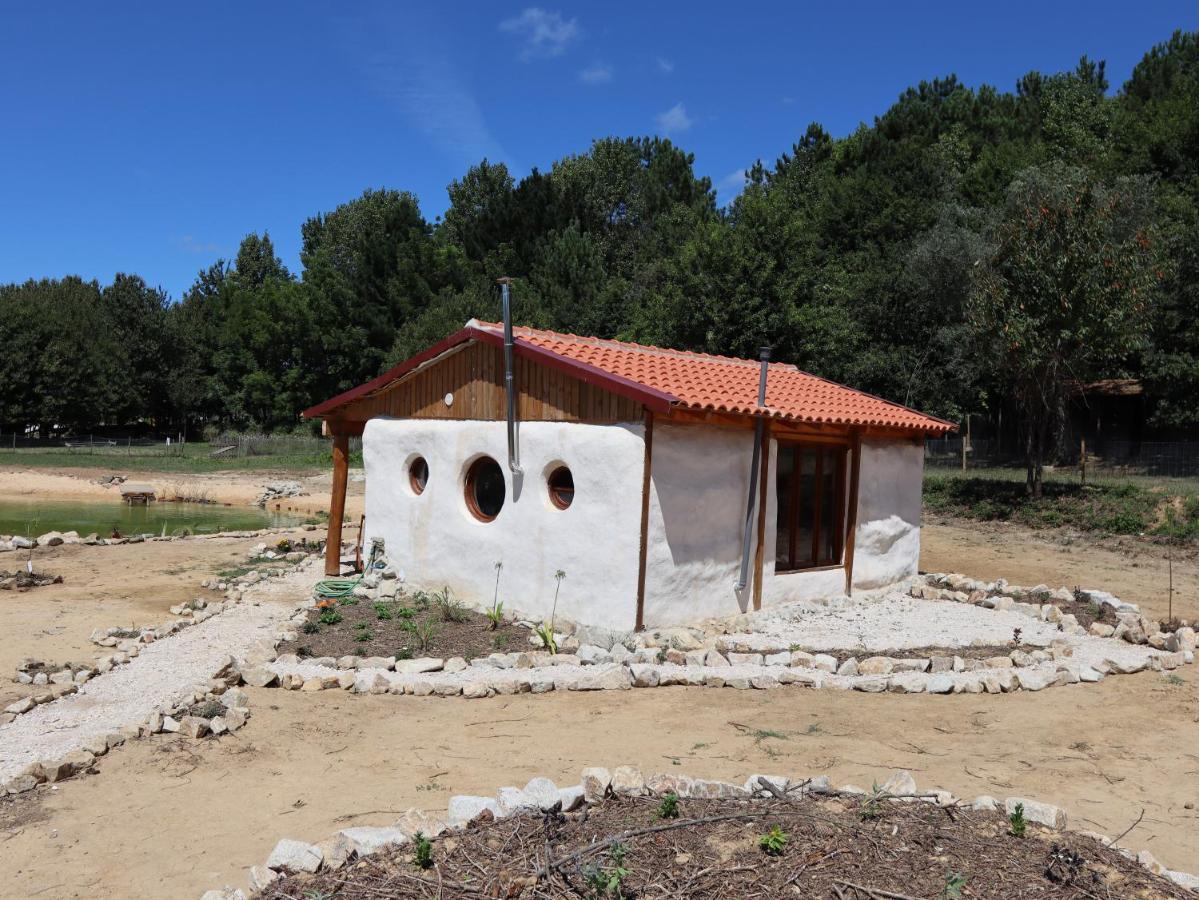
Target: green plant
1175	679
871	807
450	609
364	635
608	881
499	641
330	617
310	627
954	882
669	807
425	633
405	612
383	611
422	853
347	600
545	631
1018	822
774	842
495	616
403	653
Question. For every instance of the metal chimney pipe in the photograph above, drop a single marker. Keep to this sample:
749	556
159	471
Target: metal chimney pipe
509	380
751	502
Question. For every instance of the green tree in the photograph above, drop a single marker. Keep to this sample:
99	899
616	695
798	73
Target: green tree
1065	293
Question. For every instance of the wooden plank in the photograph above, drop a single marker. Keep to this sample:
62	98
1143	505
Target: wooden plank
643	551
760	553
337	502
851	527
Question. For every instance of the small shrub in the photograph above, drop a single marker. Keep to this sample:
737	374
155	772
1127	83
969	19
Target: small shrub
608	881
499	641
405	612
422	853
425	633
1019	824
954	883
365	635
383	611
348	600
330	617
546	633
310	627
774	842
450	609
669	807
495	616
403	653
871	807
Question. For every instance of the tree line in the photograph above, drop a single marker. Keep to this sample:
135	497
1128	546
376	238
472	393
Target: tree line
970	248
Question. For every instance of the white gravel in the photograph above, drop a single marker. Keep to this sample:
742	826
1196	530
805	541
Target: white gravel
893	622
156	676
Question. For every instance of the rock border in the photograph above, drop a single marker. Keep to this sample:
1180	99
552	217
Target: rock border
9	543
597	783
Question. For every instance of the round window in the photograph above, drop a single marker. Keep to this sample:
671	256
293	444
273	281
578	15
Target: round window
561	486
418	475
485	488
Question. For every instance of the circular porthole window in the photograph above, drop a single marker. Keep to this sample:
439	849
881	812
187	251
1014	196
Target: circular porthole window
561	486
418	475
485	489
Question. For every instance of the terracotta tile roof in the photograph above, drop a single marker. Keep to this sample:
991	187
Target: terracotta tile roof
701	381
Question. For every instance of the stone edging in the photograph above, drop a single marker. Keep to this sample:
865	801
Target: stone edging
596	783
59	538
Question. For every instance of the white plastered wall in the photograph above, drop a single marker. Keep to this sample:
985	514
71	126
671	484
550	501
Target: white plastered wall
699	482
435	540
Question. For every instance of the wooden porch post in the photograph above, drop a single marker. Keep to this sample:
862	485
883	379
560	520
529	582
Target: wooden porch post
337	503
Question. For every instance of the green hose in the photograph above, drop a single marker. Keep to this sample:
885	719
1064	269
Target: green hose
336	588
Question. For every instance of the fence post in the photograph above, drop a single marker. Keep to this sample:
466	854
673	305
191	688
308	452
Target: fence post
1082	459
965	441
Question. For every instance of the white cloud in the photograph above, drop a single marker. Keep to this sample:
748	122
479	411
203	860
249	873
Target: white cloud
674	120
545	33
666	66
732	184
600	73
190	244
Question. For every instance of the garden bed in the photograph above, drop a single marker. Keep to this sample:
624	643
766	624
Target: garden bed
411	625
843	847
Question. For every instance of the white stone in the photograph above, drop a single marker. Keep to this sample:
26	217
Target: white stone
464	809
1034	811
940	684
627	780
365	840
294	856
596	782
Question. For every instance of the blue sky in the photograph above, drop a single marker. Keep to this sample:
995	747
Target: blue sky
151	137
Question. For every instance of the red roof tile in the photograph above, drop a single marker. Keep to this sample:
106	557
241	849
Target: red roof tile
677	378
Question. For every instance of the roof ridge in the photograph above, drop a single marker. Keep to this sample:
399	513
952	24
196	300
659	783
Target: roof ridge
642	348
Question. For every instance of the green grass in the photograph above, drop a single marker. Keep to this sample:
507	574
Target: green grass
188	459
1130	506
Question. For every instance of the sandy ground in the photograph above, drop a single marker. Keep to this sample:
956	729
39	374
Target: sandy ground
1135	571
233	488
167	818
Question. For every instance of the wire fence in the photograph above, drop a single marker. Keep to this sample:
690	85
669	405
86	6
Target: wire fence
1106	458
223	446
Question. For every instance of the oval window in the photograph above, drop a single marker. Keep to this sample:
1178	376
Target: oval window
485	489
418	475
561	485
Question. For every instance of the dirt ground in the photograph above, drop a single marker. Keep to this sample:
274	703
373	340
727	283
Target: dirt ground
167	818
1135	571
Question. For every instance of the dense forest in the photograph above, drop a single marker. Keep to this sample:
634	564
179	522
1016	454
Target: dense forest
968	247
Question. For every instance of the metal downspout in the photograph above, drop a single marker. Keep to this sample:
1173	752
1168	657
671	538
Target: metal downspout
752	501
509	383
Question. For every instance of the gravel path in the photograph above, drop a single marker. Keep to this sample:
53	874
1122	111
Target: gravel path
894	622
160	672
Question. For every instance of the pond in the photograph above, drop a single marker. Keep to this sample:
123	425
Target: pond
32	517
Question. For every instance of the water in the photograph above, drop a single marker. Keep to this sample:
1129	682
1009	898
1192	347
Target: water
37	516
